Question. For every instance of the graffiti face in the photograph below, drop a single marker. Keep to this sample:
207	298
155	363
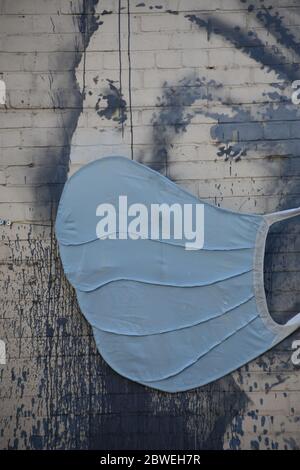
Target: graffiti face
205	98
223	113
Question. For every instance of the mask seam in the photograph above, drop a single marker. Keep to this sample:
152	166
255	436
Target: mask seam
184	327
178	372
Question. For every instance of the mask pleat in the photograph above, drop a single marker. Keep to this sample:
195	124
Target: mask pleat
162	315
137	308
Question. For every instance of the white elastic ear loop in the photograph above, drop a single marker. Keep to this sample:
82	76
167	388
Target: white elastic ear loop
294	322
281	215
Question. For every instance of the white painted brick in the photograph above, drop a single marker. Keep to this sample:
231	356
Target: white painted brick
14	119
220	168
159	22
294	398
285	424
276	403
139	60
188	40
2	177
195	5
110	22
168	59
36	99
94	60
47	42
156	78
39	62
29	155
37	23
12	211
137	77
247	186
22	194
150	41
11	63
108	5
109	42
33	175
195	58
10	138
15	7
112	5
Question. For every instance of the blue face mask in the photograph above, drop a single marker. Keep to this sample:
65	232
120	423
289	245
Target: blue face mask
165	316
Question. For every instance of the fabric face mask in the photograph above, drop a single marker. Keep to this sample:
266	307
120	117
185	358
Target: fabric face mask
162	315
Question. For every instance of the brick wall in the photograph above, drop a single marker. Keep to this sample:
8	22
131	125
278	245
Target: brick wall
199	90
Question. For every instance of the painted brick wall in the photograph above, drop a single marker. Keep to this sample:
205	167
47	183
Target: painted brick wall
199	90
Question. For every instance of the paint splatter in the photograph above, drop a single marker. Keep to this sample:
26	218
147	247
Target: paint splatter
116	106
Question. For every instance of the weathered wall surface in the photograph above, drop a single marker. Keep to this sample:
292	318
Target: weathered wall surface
199	90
